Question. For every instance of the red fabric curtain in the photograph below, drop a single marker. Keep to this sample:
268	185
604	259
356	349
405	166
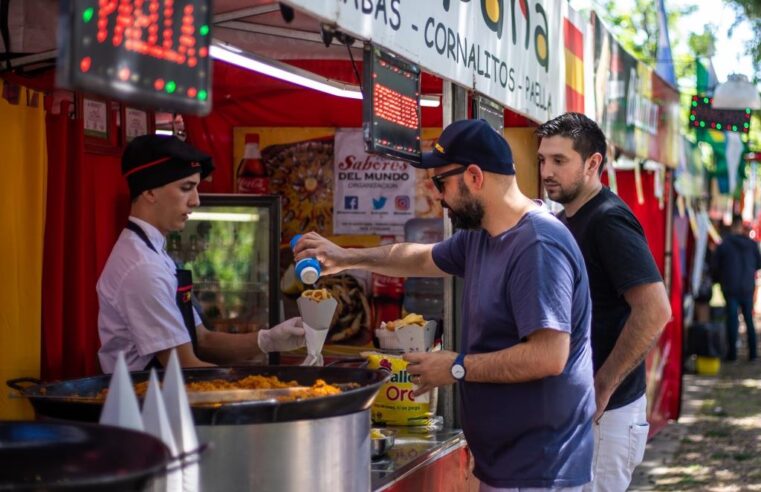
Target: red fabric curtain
649	213
664	362
667	382
87	206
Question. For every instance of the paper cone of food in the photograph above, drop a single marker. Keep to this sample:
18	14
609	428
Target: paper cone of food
177	407
157	423
317	308
315	339
409	334
121	408
155	418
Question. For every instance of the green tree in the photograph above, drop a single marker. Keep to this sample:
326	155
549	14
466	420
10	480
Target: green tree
636	28
750	10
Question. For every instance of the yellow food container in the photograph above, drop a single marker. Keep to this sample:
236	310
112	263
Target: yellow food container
707	366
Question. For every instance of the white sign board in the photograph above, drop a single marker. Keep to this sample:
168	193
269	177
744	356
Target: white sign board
512	51
373	194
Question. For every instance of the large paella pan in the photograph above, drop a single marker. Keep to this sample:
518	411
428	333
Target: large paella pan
75	399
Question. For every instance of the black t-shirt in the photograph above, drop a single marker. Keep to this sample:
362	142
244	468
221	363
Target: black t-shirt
617	258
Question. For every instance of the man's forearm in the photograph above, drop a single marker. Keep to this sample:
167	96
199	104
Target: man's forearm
528	361
396	260
639	335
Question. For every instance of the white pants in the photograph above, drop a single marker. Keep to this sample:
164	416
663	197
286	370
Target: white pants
486	488
620	440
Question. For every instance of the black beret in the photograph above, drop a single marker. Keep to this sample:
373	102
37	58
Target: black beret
151	161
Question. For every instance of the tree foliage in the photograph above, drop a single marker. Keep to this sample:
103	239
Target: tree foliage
636	28
750	10
637	31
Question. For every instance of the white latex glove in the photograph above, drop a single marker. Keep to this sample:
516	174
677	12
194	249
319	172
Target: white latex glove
288	335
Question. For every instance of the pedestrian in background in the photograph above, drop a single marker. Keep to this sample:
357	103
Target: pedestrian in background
629	302
734	265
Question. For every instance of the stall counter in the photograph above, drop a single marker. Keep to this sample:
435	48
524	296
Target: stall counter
424	460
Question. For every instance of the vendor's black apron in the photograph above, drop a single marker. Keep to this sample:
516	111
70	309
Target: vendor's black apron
183	297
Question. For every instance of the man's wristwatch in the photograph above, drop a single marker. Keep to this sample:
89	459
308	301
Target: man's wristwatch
458	368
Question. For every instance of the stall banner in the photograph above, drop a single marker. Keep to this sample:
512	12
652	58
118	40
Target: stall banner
690	174
513	52
373	194
636	109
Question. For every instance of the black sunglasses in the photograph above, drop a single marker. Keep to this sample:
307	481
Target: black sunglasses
438	180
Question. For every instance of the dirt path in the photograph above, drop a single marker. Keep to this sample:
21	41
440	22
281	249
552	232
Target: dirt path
716	445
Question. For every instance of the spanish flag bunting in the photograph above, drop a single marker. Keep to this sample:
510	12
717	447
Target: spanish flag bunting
574	66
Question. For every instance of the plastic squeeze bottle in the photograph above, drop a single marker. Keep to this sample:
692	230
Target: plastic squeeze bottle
307	269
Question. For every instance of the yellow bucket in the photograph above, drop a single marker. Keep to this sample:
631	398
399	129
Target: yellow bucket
707	366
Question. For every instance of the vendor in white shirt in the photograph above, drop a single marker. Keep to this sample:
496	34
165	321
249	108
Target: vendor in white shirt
145	300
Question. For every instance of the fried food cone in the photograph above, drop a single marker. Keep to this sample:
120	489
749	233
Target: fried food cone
316	317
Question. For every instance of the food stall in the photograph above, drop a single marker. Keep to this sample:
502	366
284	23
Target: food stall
286	119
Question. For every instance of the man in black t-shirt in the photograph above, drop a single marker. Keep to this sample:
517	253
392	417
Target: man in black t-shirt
630	306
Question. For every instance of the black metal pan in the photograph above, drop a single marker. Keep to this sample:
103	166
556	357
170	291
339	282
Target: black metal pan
59	399
78	456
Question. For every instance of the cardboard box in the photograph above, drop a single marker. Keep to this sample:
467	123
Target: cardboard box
409	338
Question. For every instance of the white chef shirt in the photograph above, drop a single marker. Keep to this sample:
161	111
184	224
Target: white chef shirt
137	296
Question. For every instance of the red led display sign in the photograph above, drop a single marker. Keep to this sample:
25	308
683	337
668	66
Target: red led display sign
391	105
702	115
152	53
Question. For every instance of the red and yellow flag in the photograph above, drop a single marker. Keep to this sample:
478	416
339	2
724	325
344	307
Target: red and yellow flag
574	67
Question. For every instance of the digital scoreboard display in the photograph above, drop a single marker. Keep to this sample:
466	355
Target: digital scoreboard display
152	53
391	105
703	115
486	109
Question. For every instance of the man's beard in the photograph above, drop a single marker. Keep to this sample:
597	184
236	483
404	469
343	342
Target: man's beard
565	195
469	214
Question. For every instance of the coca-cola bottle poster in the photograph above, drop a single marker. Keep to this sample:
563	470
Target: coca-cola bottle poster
295	163
373	194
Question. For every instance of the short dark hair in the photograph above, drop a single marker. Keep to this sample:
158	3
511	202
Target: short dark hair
587	137
737	221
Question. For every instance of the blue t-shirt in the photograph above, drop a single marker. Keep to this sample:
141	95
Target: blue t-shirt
532	276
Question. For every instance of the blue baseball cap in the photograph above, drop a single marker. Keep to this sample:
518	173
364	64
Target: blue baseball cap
470	142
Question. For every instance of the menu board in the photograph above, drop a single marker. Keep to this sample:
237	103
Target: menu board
703	115
391	105
486	109
152	53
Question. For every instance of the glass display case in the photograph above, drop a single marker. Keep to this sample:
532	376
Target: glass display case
231	244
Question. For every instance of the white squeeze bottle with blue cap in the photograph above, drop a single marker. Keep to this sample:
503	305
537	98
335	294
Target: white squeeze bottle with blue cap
307	269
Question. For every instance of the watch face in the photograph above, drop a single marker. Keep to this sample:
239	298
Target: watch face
458	372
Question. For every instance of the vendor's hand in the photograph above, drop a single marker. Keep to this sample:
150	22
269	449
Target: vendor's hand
332	258
430	369
288	335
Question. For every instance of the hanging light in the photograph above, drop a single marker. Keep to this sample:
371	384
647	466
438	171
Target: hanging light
294	75
736	93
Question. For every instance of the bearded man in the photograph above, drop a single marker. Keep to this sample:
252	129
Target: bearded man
524	367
